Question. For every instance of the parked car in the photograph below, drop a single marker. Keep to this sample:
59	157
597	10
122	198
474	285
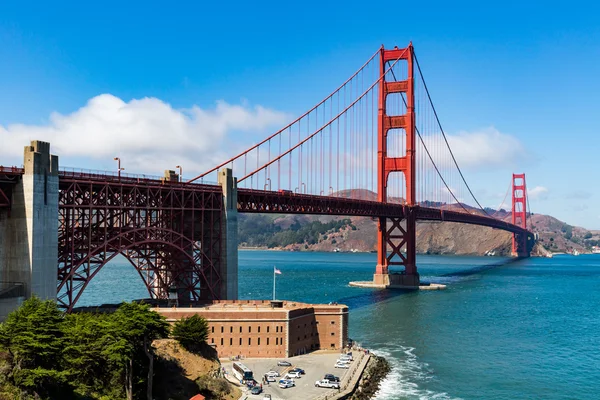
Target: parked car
256	390
331	378
341	365
286	383
272	373
346	357
266	396
324	383
344	360
270	378
292	374
298	370
284	364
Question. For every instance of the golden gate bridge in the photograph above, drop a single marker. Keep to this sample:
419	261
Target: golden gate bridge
373	147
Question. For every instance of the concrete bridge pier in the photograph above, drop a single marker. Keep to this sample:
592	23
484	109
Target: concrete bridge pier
28	239
229	236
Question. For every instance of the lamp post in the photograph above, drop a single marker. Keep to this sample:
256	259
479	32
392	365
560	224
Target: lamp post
180	173
119	169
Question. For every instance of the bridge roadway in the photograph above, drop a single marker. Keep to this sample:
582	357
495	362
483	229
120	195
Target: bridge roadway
263	201
266	201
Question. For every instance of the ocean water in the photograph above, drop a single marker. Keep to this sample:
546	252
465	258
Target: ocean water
502	330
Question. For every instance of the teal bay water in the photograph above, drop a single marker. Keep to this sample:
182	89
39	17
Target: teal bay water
519	330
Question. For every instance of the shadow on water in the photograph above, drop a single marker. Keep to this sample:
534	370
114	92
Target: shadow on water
374	296
482	268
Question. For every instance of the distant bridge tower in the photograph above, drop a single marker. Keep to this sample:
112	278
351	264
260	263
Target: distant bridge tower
402	231
519	215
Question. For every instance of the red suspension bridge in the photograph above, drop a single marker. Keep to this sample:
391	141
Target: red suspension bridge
374	147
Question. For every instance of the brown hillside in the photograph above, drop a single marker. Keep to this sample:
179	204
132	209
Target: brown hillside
178	370
447	237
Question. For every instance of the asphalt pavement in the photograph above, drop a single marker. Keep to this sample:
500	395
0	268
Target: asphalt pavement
316	365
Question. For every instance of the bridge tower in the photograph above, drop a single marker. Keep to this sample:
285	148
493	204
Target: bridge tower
400	232
28	239
519	215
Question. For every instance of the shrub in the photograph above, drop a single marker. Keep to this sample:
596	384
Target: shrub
191	332
213	387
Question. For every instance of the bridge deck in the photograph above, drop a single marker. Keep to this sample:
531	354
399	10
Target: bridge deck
259	201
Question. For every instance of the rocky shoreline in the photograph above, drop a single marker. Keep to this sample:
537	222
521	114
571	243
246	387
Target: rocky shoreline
376	370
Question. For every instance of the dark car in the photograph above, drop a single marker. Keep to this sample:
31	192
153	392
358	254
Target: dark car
299	370
284	364
256	390
331	378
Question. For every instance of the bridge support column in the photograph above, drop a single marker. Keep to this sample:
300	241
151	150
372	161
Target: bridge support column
400	236
28	237
396	233
229	236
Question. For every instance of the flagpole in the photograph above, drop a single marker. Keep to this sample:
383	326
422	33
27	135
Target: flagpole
273	283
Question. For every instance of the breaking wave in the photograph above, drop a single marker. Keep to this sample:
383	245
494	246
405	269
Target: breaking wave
406	375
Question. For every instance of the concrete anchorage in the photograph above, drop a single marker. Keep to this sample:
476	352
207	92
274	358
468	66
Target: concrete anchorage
29	243
229	238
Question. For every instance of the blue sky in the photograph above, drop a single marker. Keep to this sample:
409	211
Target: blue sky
528	71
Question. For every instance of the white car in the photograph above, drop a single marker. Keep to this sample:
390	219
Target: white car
292	374
341	365
272	374
346	357
327	384
286	383
343	361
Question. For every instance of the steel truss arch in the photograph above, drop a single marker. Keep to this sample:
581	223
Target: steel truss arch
194	277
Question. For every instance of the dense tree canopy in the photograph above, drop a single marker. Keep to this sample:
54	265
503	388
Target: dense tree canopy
259	230
47	354
191	332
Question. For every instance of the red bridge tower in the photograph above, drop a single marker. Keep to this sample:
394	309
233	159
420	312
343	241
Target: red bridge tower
400	232
519	215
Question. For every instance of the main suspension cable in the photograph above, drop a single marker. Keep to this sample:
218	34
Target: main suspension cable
444	135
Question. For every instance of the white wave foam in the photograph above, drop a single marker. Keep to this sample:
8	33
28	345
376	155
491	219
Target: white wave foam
407	372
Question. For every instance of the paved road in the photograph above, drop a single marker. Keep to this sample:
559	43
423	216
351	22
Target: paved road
316	366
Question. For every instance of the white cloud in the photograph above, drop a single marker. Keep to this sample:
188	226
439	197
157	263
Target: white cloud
148	134
483	148
579	194
538	193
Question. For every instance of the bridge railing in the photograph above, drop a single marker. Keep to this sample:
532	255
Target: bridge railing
11	170
11	289
112	176
109	175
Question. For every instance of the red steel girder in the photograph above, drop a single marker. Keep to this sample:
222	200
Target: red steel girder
170	232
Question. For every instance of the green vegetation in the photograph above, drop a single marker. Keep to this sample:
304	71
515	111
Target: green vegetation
567	230
45	354
191	332
213	387
259	230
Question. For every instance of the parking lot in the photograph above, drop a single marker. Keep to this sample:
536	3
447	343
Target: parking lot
316	365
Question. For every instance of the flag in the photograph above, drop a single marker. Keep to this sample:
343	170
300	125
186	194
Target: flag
277	271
